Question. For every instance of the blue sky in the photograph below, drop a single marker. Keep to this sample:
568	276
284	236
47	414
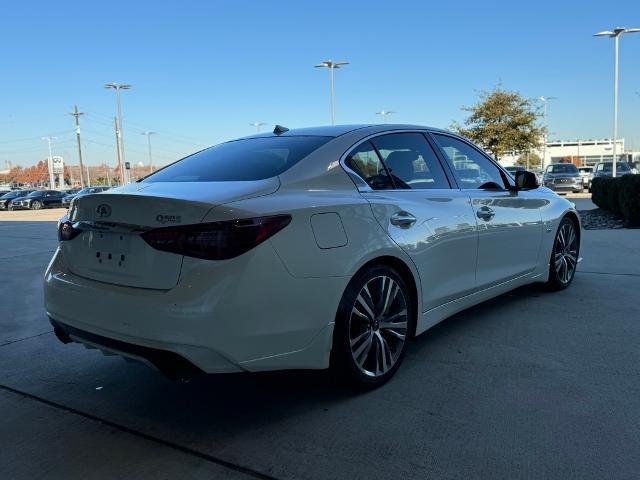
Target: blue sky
202	71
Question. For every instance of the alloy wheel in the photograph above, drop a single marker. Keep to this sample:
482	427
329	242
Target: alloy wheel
378	326
566	252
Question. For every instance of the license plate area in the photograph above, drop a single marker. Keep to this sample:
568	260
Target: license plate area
111	251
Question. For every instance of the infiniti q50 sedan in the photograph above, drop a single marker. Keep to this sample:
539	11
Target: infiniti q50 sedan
303	249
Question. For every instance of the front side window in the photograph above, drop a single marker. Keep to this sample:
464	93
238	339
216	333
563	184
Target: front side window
471	168
365	162
240	160
411	161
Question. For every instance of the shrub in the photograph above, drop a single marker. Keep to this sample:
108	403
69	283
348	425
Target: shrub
619	195
599	189
629	198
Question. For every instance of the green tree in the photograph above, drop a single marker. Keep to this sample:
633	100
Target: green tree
502	121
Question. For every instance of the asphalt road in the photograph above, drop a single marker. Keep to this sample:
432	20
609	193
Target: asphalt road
528	385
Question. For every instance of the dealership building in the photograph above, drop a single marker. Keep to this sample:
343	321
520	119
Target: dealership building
581	152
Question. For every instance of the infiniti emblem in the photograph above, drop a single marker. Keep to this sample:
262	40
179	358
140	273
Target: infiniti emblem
103	210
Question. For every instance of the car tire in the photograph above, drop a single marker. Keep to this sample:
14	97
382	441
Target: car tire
375	320
564	255
36	205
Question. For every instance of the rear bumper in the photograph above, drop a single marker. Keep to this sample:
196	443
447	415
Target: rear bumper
246	314
171	364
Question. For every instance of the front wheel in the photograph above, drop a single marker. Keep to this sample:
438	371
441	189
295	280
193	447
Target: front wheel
564	256
373	324
36	205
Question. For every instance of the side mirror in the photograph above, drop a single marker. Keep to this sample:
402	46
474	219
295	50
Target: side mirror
526	180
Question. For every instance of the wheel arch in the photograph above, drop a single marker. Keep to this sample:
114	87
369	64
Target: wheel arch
573	216
407	274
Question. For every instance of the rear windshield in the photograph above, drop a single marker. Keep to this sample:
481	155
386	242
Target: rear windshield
562	168
240	160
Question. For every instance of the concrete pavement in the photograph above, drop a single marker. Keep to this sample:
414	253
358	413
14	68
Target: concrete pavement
528	385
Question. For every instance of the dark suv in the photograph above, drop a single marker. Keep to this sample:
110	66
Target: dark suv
563	177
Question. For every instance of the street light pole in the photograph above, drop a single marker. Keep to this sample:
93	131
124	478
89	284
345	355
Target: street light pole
545	101
117	87
148	134
257	125
331	65
52	180
384	114
615	34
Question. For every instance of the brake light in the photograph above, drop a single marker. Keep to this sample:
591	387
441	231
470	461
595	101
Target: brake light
66	231
217	240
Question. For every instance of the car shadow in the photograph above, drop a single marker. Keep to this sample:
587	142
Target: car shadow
247	401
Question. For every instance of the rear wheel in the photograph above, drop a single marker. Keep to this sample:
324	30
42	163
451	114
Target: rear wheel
36	205
373	324
564	257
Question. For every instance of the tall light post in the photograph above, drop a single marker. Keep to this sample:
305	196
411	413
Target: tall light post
384	114
615	34
331	65
148	134
52	181
120	145
545	101
257	125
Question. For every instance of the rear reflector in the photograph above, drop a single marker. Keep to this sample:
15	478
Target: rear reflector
217	240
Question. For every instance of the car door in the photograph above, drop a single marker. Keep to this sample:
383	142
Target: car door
509	222
46	198
412	199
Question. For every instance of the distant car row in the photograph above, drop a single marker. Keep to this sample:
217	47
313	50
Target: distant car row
566	177
38	199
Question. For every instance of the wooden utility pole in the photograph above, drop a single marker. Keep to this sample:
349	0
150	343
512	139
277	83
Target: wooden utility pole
77	114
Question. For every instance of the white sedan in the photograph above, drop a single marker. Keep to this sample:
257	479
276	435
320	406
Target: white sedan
303	249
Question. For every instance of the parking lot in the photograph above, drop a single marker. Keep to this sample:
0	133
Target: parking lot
528	385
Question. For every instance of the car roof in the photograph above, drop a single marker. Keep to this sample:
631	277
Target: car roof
338	130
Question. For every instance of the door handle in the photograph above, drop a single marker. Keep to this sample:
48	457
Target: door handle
485	213
402	219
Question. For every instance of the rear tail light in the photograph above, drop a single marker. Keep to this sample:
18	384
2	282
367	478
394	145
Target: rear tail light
217	240
66	231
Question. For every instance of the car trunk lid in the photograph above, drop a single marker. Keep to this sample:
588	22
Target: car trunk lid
110	249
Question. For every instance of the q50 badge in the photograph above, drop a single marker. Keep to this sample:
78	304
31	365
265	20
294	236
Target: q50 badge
168	218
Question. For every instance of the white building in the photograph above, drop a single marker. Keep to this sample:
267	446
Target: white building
581	152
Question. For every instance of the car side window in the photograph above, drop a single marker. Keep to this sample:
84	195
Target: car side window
411	161
471	168
365	162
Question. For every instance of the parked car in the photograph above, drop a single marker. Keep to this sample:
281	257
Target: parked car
38	199
311	248
514	168
605	169
562	178
66	200
6	201
587	174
